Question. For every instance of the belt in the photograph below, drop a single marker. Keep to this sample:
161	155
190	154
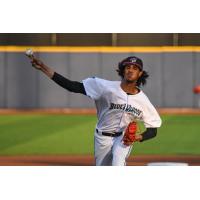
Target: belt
114	134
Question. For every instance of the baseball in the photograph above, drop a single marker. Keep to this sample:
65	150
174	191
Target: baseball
29	52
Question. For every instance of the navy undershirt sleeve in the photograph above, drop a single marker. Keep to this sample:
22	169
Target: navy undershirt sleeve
72	86
149	133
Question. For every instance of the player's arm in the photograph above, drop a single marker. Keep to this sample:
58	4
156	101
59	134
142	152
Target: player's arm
39	65
148	134
151	118
130	135
72	86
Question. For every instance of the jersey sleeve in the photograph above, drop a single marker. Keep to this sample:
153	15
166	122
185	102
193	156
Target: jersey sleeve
93	87
151	117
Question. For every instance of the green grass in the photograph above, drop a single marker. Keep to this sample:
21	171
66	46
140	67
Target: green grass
178	135
65	134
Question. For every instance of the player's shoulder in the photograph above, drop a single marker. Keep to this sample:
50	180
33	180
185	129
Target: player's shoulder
143	96
104	81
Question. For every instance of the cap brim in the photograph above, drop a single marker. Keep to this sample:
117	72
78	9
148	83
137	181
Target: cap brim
130	63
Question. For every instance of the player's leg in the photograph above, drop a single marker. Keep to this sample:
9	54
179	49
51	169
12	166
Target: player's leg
103	150
120	152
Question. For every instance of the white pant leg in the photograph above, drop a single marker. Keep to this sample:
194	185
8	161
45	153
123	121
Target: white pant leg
120	152
103	150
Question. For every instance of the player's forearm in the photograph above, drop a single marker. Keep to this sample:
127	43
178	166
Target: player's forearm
148	134
72	86
47	70
39	65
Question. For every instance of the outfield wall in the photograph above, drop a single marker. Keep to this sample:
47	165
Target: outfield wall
174	71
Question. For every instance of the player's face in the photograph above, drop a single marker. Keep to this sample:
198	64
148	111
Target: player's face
132	73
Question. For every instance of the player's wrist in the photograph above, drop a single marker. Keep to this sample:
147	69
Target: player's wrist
48	71
139	137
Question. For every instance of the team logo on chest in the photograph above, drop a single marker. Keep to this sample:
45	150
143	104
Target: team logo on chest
127	108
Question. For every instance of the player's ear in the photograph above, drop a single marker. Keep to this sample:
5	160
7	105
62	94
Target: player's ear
140	74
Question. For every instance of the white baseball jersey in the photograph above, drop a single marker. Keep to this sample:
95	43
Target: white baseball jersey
116	109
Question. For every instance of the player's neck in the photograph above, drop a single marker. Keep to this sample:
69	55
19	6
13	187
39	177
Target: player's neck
129	87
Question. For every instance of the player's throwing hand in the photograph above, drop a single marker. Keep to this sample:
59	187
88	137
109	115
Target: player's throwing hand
38	64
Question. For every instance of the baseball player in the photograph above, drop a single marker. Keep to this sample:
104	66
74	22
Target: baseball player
119	104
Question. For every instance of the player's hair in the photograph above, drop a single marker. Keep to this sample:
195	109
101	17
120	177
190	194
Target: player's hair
141	81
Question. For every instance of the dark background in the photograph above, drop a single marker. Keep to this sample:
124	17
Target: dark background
101	39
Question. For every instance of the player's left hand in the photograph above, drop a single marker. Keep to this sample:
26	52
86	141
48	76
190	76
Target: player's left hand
130	134
138	138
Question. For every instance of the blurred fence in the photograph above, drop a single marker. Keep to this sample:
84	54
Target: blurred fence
100	39
174	71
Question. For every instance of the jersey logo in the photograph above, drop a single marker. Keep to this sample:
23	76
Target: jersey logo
127	108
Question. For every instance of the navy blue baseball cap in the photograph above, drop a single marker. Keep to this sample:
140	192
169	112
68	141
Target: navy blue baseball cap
132	60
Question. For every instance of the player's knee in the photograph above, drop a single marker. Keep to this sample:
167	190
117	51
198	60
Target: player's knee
118	160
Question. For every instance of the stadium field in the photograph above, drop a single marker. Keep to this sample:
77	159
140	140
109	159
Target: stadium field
59	134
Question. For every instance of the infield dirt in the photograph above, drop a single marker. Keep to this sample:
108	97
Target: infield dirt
78	160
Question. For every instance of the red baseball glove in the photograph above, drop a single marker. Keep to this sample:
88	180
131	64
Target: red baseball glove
130	134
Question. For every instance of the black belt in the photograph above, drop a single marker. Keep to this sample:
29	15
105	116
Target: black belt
114	134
